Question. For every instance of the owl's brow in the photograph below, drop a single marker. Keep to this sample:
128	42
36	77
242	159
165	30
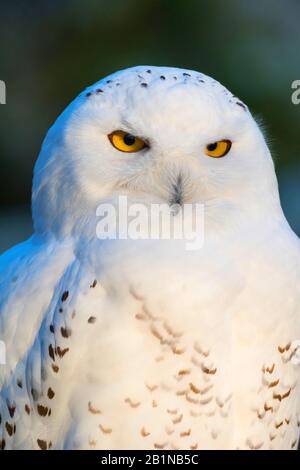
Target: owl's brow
128	127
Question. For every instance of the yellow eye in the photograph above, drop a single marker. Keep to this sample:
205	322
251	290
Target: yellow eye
126	142
218	149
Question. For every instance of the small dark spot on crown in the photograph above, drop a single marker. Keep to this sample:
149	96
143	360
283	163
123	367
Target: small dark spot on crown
149	71
108	81
242	105
144	84
89	93
99	90
185	74
162	77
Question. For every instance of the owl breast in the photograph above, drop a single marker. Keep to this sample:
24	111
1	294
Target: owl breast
184	378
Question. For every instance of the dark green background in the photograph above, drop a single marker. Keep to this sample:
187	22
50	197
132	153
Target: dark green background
50	50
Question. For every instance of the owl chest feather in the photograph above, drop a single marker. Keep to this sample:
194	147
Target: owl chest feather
199	368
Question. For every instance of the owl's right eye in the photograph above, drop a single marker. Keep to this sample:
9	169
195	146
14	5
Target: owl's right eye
125	142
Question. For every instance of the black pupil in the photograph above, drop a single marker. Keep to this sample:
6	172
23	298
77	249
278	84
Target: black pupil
129	139
212	147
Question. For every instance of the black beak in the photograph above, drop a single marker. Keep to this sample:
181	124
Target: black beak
177	192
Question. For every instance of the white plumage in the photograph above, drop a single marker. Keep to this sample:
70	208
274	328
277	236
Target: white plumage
124	344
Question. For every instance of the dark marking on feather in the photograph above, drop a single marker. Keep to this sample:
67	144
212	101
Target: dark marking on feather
51	352
50	393
42	410
9	428
65	296
42	444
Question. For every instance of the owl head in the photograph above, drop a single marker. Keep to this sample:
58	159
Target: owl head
154	134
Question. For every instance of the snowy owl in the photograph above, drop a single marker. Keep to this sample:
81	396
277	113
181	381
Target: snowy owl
143	344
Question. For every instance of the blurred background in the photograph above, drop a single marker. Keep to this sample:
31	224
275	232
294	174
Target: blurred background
51	50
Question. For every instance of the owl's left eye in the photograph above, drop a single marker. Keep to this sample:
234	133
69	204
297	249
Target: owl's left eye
218	149
126	142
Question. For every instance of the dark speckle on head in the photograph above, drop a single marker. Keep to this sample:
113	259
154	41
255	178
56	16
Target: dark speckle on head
242	105
92	320
162	77
108	81
99	90
140	77
175	78
51	328
89	93
149	71
144	84
185	74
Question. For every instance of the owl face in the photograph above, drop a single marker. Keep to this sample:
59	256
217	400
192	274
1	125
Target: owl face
155	134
